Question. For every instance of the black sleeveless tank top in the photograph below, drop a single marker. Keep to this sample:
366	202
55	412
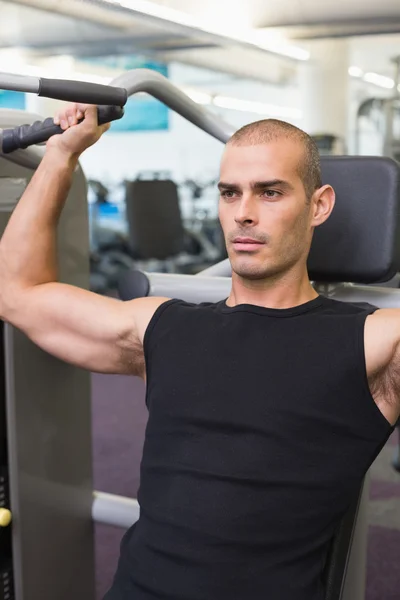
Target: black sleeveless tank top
261	428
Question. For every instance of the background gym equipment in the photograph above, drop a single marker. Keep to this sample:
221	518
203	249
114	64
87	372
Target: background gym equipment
157	230
357	245
140	224
383	117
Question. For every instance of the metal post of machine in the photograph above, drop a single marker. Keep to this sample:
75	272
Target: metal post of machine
391	144
354	585
47	473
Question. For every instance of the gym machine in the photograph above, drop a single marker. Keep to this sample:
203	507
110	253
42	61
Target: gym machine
46	429
384	115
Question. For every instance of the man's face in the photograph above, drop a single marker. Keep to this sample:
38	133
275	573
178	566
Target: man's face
263	208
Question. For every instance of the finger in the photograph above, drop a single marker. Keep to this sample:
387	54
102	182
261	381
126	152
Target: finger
59	119
62	117
71	114
62	121
90	114
81	109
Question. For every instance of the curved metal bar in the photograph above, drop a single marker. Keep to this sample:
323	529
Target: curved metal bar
158	86
19	83
138	80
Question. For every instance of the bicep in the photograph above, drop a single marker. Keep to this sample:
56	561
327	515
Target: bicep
80	327
382	353
382	340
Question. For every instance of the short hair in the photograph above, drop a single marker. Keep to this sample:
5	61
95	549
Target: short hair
267	130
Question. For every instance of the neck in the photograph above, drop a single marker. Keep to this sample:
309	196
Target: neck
283	291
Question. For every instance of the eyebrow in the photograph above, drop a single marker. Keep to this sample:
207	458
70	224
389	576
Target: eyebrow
257	185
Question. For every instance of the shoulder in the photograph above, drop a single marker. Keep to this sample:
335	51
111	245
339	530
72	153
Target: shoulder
381	338
382	335
383	326
382	358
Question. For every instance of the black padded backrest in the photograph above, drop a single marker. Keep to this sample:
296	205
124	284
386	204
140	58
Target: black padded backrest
339	553
154	218
359	242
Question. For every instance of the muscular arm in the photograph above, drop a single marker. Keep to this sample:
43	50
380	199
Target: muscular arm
80	327
382	355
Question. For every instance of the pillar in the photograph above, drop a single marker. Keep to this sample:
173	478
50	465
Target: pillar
323	82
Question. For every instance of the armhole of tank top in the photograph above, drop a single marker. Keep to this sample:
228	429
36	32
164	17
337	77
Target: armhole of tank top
149	330
362	367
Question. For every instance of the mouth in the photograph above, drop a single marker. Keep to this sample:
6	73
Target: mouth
246	244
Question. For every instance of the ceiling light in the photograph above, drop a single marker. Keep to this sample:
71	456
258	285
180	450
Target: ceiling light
198	96
239	104
375	78
356	72
379	80
157	10
287	50
257	107
178	17
276	41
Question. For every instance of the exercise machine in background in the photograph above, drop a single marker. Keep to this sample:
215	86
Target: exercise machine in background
146	229
379	120
48	438
158	232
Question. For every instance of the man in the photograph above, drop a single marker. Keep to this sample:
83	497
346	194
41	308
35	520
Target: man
265	409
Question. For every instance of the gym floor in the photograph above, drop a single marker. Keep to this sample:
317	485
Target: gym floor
119	420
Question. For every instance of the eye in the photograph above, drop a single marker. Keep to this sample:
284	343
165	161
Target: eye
228	194
271	193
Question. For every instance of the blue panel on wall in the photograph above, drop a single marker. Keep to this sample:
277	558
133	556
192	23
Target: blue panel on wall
142	113
12	100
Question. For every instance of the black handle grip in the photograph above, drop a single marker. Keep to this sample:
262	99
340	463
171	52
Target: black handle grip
83	92
41	131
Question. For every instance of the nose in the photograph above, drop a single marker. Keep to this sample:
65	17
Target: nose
247	212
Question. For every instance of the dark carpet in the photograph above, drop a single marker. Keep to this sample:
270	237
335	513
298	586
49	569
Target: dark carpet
119	420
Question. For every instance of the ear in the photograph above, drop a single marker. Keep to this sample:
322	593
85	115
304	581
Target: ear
322	203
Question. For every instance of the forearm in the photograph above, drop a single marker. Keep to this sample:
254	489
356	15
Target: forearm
28	246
